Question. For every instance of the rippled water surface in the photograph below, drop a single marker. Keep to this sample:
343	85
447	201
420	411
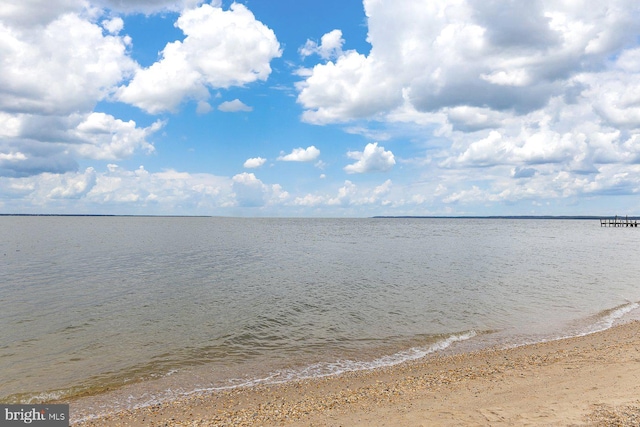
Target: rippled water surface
95	303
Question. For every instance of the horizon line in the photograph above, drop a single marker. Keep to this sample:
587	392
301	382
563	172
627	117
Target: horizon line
575	217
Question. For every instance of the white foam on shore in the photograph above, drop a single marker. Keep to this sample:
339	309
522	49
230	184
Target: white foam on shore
612	317
317	370
600	322
603	321
46	396
326	369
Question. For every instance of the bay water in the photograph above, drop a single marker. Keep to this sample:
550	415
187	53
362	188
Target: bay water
118	312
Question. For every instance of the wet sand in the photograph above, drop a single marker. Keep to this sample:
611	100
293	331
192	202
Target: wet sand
585	381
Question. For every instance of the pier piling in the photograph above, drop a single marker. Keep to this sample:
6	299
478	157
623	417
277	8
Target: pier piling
618	222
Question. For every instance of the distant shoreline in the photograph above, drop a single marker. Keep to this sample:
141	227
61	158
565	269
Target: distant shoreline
533	217
115	215
561	217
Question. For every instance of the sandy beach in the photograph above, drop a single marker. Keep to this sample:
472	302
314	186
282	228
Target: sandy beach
592	380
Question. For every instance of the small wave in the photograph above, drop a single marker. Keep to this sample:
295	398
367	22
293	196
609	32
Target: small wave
47	396
317	370
607	318
597	323
326	369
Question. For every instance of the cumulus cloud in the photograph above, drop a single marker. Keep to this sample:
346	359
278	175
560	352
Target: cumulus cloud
222	48
470	119
31	13
502	101
234	106
12	157
33	144
300	154
330	46
250	192
74	186
349	89
169	189
515	101
56	63
113	26
151	6
348	196
118	190
500	55
107	138
309	200
203	107
352	195
345	194
372	159
254	162
64	67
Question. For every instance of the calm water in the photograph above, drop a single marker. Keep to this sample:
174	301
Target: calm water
130	310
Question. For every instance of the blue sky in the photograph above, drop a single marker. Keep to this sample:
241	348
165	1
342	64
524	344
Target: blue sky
334	108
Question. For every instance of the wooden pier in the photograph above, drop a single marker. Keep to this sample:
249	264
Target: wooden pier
618	222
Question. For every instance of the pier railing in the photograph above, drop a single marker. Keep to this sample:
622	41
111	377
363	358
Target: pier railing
618	222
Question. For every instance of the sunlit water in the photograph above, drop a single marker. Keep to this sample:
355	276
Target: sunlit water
131	310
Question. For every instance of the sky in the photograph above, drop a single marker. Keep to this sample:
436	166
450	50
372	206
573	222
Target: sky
339	108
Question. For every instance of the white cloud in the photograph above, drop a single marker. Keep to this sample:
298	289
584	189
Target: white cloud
31	13
254	162
309	200
250	192
491	150
347	197
330	46
234	106
372	159
118	190
308	154
169	189
52	144
12	157
56	64
472	195
469	119
74	186
503	103
203	107
62	68
505	56
352	195
222	48
345	194
346	90
152	6
114	26
508	102
383	189
108	138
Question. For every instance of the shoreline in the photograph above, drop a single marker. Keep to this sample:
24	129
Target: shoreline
587	380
